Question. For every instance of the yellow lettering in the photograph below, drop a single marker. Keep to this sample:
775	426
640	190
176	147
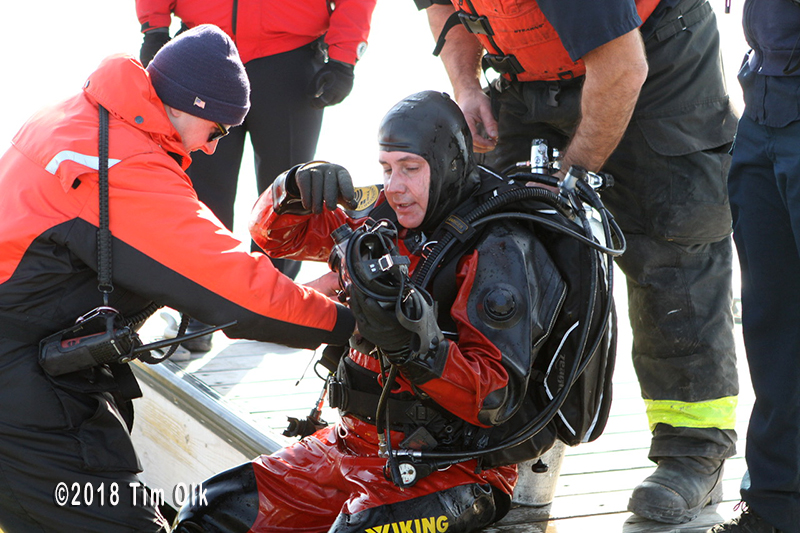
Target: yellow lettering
417	525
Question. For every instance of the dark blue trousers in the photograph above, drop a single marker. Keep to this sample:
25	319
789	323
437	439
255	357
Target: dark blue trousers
764	187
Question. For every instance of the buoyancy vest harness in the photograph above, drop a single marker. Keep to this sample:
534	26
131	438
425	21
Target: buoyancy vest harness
520	42
577	410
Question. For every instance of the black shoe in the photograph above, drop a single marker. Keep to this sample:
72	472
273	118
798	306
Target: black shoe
678	490
200	344
748	522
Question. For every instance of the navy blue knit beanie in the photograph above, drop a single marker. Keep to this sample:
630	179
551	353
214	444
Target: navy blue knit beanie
200	73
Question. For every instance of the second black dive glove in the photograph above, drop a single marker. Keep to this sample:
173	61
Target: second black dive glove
153	41
332	83
380	327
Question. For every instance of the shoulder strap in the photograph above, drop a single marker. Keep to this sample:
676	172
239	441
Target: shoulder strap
451	22
104	270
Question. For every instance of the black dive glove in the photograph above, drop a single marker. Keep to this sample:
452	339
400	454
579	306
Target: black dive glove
380	327
409	337
153	41
312	187
332	83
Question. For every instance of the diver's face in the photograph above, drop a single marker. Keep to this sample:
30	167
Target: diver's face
406	184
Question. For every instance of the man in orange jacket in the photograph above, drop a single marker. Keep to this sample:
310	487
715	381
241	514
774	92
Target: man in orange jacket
66	437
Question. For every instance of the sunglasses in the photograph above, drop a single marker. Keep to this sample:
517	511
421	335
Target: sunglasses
221	132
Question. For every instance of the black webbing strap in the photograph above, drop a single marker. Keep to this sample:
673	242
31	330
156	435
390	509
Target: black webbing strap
451	22
123	375
104	283
683	21
363	405
126	381
104	255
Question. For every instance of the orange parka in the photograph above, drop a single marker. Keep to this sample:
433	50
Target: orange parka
167	246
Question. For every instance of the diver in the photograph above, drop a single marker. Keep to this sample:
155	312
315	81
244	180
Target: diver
485	326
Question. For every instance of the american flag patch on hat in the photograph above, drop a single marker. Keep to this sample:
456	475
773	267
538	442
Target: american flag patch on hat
199	103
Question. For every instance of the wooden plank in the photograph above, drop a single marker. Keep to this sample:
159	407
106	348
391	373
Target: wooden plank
606	462
587	497
271	388
632	440
246	362
593	483
519	522
244	375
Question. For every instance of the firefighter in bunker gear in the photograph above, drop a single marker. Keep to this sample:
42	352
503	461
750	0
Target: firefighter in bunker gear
652	110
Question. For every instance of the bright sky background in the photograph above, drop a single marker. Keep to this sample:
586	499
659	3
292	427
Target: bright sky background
49	47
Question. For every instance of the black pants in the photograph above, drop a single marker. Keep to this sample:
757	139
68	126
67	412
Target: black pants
67	462
766	204
671	202
283	129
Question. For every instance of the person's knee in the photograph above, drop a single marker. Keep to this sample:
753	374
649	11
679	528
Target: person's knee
460	509
225	503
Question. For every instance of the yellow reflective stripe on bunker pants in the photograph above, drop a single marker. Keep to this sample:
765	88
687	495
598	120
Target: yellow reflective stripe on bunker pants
719	413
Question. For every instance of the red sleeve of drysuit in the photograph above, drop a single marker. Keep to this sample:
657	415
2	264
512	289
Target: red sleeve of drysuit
299	237
155	211
474	366
349	28
155	13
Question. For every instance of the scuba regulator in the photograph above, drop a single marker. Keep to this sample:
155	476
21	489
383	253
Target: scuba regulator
367	260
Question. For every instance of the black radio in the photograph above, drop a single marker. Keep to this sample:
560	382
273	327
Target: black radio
103	336
98	337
